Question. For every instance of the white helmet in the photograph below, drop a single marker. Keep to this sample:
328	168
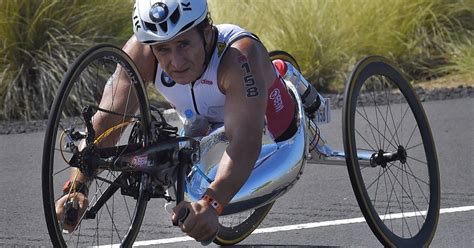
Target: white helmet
156	21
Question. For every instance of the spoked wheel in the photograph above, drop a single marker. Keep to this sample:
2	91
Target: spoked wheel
236	227
390	155
116	200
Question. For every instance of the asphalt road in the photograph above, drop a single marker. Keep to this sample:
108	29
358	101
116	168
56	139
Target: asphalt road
323	194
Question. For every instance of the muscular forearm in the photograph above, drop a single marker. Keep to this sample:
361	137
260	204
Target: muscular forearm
114	98
234	169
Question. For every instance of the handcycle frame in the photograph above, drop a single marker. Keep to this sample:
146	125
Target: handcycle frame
184	154
193	177
170	166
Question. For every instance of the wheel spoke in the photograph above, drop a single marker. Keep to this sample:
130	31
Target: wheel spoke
411	135
376	106
419	186
417	160
377	109
371	130
376	187
400	205
411	174
61	170
111	215
394	134
376	179
403	189
411	193
389	196
366	142
414	146
370	124
393	121
398	126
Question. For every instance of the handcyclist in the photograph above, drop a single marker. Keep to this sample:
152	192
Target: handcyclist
220	72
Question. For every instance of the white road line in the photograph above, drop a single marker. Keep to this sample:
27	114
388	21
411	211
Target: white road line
356	220
304	226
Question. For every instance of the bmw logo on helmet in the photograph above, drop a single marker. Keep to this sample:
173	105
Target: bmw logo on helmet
158	12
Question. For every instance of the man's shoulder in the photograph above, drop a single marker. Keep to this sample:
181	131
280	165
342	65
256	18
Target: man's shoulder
228	26
243	48
229	32
239	58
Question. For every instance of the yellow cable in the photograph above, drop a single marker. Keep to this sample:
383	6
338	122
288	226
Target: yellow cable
73	186
110	130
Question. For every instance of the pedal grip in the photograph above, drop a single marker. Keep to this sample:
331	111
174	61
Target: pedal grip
182	215
71	212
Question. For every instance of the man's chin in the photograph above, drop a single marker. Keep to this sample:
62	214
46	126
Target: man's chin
182	80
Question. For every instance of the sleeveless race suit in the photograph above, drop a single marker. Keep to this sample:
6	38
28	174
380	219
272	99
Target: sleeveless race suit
204	97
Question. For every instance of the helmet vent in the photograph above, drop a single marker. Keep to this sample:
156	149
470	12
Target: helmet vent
187	26
175	16
164	26
150	26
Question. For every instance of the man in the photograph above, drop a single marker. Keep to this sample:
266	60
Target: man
222	73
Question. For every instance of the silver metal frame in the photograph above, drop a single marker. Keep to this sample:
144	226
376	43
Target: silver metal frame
278	167
324	154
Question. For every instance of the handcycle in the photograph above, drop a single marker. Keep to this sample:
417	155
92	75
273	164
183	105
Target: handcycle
388	149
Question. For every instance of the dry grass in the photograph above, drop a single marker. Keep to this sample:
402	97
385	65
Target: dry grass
449	81
426	38
40	39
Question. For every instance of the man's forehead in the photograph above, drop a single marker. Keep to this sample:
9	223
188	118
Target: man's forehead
184	37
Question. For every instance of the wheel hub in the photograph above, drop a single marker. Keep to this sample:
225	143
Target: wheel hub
381	158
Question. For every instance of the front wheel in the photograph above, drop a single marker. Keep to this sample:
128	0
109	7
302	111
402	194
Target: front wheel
397	185
117	200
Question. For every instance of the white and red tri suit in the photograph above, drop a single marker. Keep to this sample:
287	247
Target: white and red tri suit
204	97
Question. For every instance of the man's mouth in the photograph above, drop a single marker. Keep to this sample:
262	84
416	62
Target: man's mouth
180	71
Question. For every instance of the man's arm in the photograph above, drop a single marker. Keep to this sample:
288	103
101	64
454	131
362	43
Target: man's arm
245	73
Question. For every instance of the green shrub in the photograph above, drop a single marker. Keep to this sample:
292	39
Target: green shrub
41	38
328	37
426	38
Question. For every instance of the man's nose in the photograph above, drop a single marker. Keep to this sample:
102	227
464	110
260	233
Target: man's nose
178	60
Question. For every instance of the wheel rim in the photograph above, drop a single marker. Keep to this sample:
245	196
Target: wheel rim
82	87
236	227
400	187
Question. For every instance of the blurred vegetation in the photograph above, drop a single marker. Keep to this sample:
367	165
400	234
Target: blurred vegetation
426	38
41	38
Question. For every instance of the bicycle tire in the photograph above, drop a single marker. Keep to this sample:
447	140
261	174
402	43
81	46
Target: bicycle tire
80	86
285	56
366	128
233	234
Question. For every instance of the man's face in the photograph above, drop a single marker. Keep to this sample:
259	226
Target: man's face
183	57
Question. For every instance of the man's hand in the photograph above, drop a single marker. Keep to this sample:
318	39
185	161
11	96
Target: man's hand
82	201
201	223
